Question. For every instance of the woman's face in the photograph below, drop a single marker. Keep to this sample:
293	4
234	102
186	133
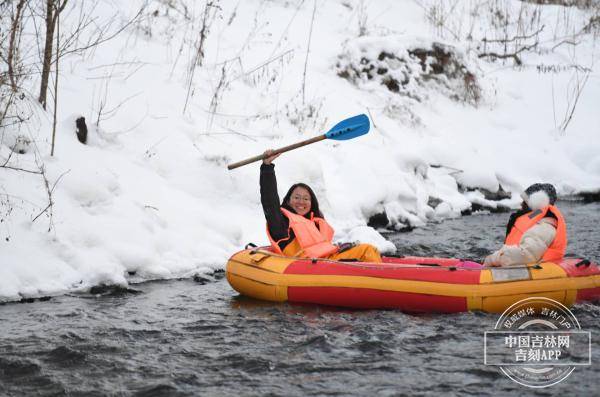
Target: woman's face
300	201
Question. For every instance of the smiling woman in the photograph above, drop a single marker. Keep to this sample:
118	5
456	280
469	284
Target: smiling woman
297	227
300	199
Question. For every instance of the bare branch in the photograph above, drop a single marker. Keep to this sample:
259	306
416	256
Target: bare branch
312	20
49	191
262	65
578	90
20	169
284	33
99	39
198	57
56	82
214	101
571	42
515	38
514	55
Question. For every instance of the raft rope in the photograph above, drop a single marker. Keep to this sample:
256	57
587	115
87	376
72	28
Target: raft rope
536	266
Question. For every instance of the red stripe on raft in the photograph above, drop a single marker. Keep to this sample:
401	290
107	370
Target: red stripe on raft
363	298
588	294
385	271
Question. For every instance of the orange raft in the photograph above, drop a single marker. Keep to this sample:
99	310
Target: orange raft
411	284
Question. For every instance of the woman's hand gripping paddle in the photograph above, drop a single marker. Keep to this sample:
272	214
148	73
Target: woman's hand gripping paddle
342	131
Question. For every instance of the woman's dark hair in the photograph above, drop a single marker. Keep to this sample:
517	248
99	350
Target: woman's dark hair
515	215
314	203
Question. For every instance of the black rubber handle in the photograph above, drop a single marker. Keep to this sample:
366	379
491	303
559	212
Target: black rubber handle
584	262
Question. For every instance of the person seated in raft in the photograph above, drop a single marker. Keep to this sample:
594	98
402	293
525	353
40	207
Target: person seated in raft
297	227
535	233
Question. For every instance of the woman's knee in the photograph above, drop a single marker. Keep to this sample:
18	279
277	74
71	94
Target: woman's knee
369	253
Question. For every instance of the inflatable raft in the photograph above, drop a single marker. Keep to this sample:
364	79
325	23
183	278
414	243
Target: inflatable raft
411	284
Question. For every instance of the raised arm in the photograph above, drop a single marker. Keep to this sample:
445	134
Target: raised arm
269	198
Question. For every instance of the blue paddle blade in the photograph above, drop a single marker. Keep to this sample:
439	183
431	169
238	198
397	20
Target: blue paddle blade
349	128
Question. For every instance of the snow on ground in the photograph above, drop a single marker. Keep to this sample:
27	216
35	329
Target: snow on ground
150	192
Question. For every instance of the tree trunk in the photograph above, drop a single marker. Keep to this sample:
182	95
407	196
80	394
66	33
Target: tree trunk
53	8
47	52
14	32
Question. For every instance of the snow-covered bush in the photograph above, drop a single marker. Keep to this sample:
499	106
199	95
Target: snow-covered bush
407	69
566	3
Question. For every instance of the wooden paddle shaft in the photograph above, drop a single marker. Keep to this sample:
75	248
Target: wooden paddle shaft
277	151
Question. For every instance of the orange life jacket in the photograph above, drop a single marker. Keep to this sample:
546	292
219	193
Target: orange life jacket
314	242
556	250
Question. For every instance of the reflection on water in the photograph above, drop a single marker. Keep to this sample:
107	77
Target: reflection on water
182	338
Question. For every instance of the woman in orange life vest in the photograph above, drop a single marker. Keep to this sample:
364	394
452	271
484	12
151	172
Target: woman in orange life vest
296	227
535	233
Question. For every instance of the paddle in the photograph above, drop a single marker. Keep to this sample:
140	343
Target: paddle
350	128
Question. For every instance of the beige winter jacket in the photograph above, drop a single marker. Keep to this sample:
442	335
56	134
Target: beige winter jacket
532	247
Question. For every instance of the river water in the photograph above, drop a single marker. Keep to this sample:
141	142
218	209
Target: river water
187	338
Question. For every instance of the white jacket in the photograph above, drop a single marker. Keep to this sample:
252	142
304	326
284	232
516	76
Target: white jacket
531	248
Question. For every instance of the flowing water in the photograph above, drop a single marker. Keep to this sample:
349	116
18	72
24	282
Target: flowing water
187	338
